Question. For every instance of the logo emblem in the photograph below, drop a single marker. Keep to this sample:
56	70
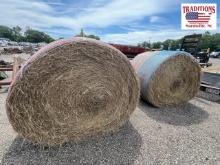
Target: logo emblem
198	16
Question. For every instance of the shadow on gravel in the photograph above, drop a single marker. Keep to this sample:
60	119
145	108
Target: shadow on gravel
122	147
185	115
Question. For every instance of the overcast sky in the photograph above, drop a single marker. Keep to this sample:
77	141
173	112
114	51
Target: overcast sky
116	21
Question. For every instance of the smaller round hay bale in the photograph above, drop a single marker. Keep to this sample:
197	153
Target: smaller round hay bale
168	78
70	90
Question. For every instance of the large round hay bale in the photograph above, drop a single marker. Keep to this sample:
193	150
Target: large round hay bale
70	90
168	78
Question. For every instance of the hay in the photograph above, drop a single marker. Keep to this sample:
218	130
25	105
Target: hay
71	90
168	78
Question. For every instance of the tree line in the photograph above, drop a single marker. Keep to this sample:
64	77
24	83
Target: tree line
82	34
30	35
208	40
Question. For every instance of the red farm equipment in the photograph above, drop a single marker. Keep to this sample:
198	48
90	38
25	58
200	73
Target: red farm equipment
128	50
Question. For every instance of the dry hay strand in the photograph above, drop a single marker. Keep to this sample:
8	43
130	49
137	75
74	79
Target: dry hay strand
70	90
168	78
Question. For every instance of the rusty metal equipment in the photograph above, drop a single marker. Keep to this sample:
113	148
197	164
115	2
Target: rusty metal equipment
129	51
13	68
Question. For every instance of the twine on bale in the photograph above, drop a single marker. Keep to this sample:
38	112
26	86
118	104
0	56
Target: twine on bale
70	90
167	78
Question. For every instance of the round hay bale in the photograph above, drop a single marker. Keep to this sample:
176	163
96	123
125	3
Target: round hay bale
168	78
70	90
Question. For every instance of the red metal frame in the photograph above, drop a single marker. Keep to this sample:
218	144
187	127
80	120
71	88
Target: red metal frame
128	50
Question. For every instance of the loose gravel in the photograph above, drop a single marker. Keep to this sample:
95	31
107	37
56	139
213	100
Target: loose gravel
189	134
185	135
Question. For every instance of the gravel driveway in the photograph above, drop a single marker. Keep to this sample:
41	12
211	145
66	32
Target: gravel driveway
189	134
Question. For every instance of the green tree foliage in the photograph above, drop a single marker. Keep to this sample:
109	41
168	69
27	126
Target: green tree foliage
93	36
208	40
156	45
145	44
30	35
17	33
6	32
35	36
82	34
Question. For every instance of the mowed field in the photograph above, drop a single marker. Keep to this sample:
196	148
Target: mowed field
188	134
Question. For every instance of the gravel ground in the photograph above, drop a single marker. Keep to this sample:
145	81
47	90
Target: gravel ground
215	68
189	134
209	96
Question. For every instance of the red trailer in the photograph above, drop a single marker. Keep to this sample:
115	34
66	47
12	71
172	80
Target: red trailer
128	50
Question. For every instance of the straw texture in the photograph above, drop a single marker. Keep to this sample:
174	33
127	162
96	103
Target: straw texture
70	90
168	78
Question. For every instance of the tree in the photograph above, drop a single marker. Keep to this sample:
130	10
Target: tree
82	34
216	41
93	36
37	36
207	41
6	32
17	33
145	44
207	33
17	30
30	35
156	45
